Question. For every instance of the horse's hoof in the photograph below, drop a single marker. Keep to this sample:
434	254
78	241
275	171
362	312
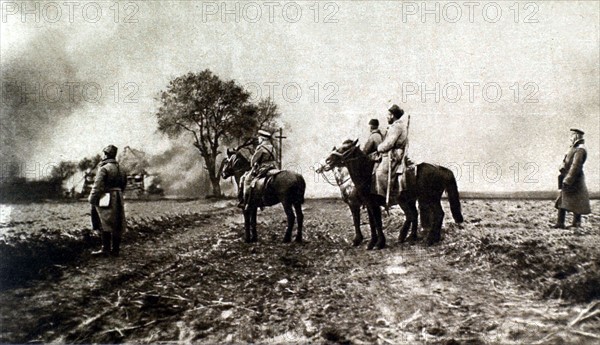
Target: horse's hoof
357	241
371	245
298	239
287	239
380	244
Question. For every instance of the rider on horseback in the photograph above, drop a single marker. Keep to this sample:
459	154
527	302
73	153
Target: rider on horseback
375	138
262	161
393	150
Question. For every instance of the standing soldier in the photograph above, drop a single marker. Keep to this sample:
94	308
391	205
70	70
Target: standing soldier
392	147
107	199
263	160
574	195
375	138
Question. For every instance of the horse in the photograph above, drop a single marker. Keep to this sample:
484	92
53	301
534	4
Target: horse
431	182
285	187
235	165
349	196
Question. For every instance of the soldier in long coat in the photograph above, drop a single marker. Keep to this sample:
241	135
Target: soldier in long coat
574	195
109	179
392	149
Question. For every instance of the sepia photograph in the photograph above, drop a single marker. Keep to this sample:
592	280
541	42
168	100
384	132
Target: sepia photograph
300	172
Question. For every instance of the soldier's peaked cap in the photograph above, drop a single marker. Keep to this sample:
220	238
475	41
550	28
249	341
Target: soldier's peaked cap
396	110
373	122
264	133
578	131
110	150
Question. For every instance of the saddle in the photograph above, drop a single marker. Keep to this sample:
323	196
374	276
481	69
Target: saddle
261	183
264	176
408	180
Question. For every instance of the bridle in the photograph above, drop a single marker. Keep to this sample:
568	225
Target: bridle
344	156
231	163
343	160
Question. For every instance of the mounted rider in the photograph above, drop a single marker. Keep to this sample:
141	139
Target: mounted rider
393	161
263	160
375	138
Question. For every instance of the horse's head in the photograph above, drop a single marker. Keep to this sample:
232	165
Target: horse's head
228	164
338	156
234	163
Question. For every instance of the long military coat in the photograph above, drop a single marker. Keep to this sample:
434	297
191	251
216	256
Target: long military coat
574	196
109	179
392	147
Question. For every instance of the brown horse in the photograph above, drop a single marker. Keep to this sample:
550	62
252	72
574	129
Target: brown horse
431	182
285	187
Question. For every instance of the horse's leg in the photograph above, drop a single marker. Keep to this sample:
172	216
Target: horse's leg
425	211
412	205
358	237
253	211
379	225
429	218
300	220
408	217
289	212
438	219
373	227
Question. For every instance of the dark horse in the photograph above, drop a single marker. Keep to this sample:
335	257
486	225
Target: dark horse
431	182
349	195
235	165
286	187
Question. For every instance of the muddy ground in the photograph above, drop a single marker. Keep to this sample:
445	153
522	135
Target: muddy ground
503	277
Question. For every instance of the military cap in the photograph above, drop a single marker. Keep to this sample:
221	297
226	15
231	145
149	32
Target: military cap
396	111
374	122
110	150
264	134
578	131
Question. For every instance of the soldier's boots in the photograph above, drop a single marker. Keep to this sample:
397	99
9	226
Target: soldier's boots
116	245
576	221
560	223
105	250
240	196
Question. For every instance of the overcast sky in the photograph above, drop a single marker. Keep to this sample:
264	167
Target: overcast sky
505	80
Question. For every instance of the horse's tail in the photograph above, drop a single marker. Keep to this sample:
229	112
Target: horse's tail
453	197
299	189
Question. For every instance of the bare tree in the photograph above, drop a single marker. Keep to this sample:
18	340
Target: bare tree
213	112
